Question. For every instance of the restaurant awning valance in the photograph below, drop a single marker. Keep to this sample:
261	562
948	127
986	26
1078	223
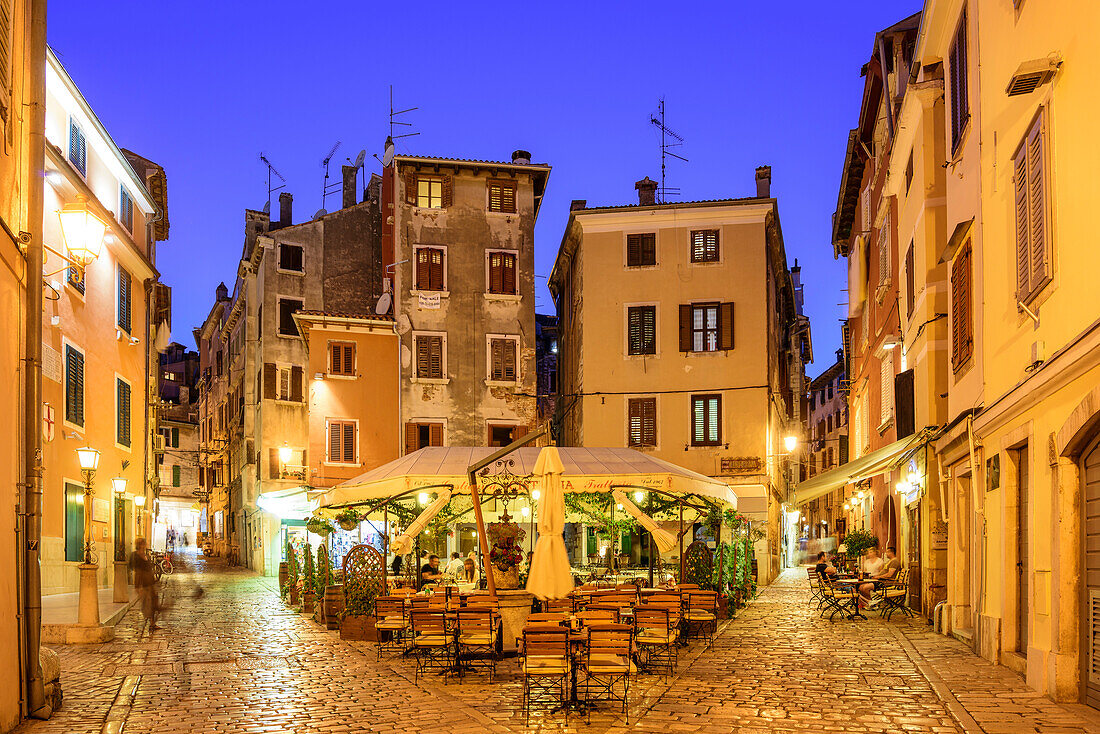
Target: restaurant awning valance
869	465
584	470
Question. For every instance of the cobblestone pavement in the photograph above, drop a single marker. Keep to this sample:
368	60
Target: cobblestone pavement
237	660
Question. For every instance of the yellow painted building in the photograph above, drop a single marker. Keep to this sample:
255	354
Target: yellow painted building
680	337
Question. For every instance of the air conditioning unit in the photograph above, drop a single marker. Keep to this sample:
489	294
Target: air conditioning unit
158	443
1031	75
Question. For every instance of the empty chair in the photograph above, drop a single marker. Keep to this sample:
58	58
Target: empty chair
604	612
477	637
548	618
607	663
560	606
655	635
391	622
895	596
545	665
701	613
431	642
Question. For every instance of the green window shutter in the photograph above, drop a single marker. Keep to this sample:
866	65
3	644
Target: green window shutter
78	148
74	386
175	475
122	420
175	438
124	302
74	522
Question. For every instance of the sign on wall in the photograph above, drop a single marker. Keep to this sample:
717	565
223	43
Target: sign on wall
51	363
428	300
741	465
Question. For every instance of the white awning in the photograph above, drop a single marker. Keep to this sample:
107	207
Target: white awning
585	470
869	465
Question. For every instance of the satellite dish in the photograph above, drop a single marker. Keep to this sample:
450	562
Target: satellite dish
383	306
319	213
267	207
360	158
387	157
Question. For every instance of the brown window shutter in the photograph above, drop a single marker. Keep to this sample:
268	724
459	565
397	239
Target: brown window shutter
495	272
336	358
508	199
271	377
422	356
725	326
410	187
296	374
334	441
435	366
1023	227
1036	205
250	452
412	437
509	348
633	249
519	432
448	191
202	476
910	282
349	359
435	270
423	268
349	442
273	463
435	434
649	421
508	273
685	327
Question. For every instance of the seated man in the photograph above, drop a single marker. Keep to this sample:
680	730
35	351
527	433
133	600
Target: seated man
429	572
889	570
824	567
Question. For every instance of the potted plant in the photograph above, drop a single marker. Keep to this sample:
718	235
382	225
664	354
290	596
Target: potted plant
349	518
322	576
857	541
506	553
292	574
320	526
308	581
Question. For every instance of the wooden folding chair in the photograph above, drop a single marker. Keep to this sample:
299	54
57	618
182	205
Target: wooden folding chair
546	666
607	663
701	613
391	622
432	643
655	635
477	640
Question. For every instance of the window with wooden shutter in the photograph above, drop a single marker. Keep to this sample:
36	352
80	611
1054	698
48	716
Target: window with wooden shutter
704	246
884	251
75	277
341	358
962	327
435	434
412	437
960	105
642	430
502	272
641	249
702	327
341	442
429	192
124	300
271	381
291	257
641	328
122	421
284	384
78	148
502	360
706	420
429	356
125	209
175	475
429	268
297	375
725	326
74	386
910	282
1032	238
5	60
175	438
274	464
502	197
287	307
685	327
886	390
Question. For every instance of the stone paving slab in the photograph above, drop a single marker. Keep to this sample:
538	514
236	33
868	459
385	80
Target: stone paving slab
238	661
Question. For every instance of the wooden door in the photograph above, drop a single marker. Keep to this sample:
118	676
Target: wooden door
914	564
1090	652
1022	568
74	522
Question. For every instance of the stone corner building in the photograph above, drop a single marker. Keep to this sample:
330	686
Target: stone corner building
680	336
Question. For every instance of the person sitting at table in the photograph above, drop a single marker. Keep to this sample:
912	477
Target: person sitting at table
469	573
824	566
429	572
875	568
454	566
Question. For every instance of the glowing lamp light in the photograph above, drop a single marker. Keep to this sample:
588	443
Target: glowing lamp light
525	511
119	485
140	500
422	498
859	495
88	458
285	453
638	496
618	506
790	443
82	231
535	494
901	487
914	478
474	533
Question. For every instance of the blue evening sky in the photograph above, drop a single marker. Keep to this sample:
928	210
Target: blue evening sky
203	87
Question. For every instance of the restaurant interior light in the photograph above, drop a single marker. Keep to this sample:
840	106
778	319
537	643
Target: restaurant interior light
535	494
790	443
914	478
901	487
618	506
422	498
525	511
284	453
82	231
88	458
638	496
859	494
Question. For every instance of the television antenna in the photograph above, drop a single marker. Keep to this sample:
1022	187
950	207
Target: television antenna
325	188
669	139
394	121
271	170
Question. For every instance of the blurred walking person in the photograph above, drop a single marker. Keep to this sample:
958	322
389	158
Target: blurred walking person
145	582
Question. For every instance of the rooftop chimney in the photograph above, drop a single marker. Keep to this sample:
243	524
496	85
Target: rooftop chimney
521	157
349	185
647	191
286	206
221	293
577	204
764	182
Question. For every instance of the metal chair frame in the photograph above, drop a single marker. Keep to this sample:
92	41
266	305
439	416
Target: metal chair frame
542	644
432	643
391	616
701	613
655	634
609	646
476	644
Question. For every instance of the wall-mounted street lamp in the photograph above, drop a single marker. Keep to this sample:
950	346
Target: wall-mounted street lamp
83	234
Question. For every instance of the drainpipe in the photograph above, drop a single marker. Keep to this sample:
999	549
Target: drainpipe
977	494
942	482
35	59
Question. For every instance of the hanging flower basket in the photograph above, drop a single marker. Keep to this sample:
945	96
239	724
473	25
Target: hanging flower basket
319	526
349	518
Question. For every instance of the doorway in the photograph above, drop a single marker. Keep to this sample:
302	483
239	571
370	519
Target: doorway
1022	569
1090	650
914	558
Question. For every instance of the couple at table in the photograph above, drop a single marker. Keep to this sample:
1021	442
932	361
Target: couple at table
884	568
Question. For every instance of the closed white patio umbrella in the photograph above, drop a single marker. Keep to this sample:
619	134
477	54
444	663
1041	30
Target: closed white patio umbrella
404	542
550	576
665	540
